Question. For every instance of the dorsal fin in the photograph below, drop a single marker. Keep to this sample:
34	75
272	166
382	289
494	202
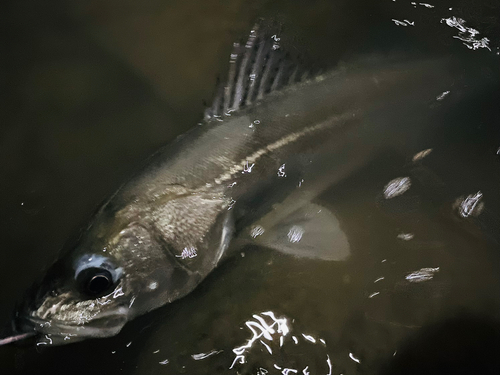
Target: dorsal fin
256	68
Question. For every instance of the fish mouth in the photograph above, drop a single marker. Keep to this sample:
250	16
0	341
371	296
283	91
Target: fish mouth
105	324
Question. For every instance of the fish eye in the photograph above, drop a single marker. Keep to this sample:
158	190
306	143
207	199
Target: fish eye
95	281
96	275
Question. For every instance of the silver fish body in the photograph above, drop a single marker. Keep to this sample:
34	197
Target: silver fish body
249	175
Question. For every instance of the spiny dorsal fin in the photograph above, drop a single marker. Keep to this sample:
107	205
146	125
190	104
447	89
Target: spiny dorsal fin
258	67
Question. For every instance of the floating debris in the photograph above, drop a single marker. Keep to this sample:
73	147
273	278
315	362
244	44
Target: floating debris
397	187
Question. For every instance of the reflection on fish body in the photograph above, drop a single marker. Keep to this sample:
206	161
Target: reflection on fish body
249	173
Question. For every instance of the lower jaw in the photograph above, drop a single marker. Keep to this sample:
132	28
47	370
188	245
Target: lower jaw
59	334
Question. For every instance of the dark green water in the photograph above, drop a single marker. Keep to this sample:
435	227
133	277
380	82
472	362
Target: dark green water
89	91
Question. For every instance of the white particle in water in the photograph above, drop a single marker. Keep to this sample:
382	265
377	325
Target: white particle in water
295	234
471	205
399	23
329	363
422	154
309	338
248	168
257	231
200	356
397	187
281	171
423	274
443	95
467	35
188	252
266	346
354	358
405	236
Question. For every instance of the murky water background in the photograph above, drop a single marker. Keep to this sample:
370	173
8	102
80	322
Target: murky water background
89	91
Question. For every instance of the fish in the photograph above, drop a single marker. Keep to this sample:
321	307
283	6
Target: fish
275	139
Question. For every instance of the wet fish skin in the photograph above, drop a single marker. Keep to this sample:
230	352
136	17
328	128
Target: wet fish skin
163	231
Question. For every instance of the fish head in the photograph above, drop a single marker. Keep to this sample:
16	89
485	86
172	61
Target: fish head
115	273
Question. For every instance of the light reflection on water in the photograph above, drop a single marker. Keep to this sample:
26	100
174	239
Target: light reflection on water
272	335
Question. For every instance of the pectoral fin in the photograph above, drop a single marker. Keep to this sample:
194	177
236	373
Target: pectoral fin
311	231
